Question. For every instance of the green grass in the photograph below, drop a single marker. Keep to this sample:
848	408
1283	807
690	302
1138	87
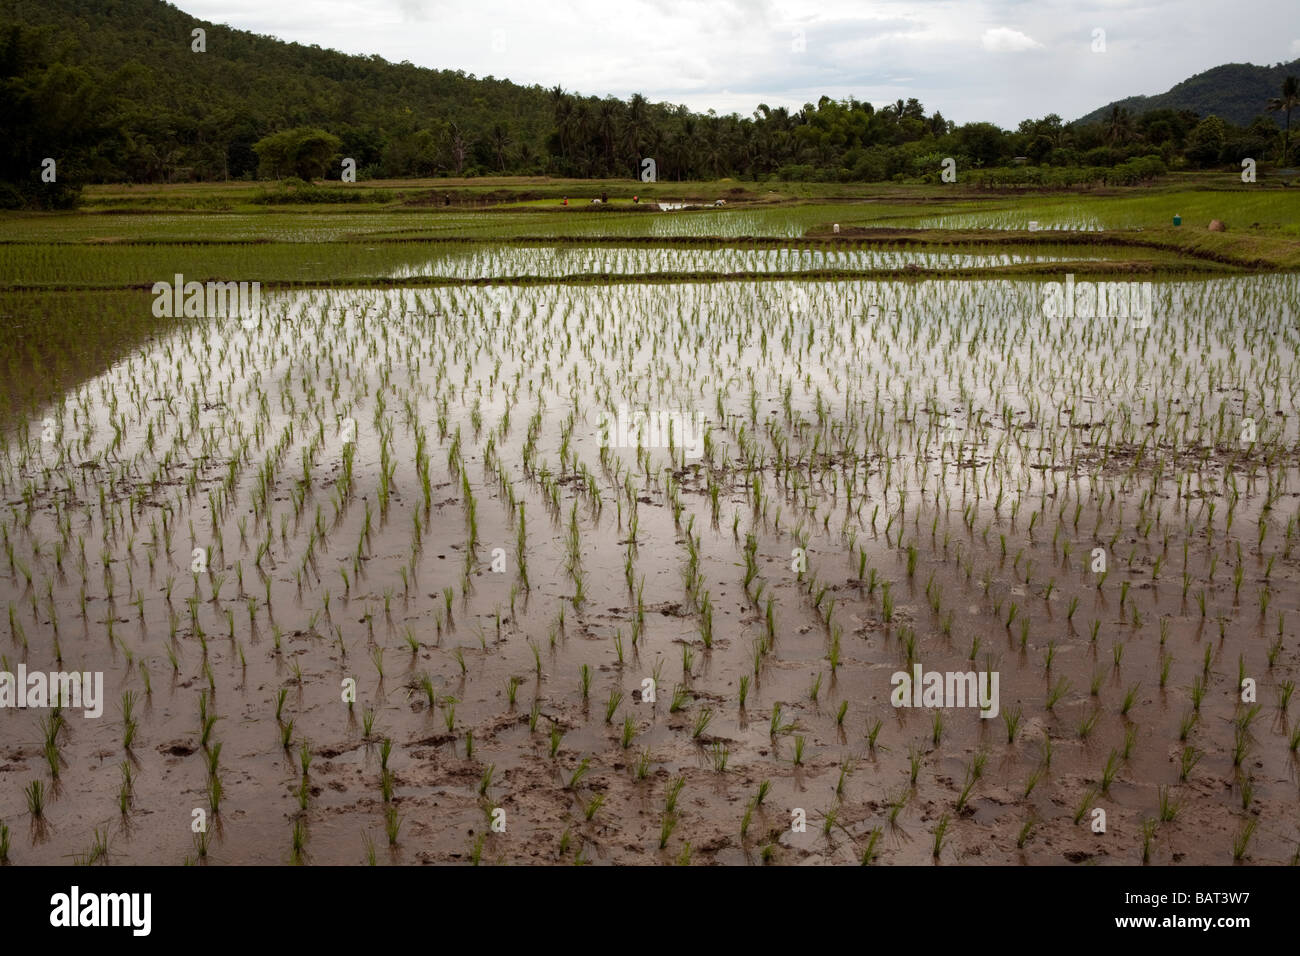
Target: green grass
136	246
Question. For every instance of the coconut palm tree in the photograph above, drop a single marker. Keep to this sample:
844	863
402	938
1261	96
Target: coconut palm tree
636	126
606	127
1288	101
562	104
1119	127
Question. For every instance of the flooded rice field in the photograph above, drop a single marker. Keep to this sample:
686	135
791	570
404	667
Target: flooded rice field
487	261
646	573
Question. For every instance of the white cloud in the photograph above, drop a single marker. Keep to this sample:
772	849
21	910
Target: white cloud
734	54
1006	40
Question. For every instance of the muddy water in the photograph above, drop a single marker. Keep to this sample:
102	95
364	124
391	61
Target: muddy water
910	461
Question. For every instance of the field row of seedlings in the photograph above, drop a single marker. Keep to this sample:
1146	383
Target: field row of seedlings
486	262
1239	205
628	574
343	223
119	264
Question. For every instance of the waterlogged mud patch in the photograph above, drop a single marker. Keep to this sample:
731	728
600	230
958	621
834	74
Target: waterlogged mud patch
362	579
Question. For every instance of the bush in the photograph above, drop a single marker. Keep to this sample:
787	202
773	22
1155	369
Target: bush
799	173
1104	156
293	191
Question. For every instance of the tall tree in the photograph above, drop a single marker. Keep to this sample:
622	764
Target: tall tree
1285	103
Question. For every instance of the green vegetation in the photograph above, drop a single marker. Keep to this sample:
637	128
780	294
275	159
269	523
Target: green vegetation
84	87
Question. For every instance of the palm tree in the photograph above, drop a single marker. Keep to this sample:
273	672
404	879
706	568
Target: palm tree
1119	127
606	113
562	104
1288	101
579	126
636	126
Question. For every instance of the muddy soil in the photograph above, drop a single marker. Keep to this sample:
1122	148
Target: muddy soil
920	485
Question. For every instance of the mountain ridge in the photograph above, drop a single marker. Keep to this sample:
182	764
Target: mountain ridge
1234	92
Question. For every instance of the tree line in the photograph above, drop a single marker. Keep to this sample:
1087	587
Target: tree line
121	95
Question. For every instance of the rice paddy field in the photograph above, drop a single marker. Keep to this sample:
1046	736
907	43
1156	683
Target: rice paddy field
384	572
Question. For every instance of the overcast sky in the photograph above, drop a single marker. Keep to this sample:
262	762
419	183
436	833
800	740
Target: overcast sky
997	60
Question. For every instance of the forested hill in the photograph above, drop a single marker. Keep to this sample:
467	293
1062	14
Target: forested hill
114	91
184	113
1233	92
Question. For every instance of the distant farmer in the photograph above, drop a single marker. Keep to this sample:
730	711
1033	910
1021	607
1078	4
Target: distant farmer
566	200
446	199
604	197
635	200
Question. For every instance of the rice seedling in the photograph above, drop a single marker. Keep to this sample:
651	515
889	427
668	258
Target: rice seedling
611	705
1130	740
1241	839
869	852
1130	697
1148	837
674	791
667	824
940	834
579	772
719	754
1011	719
1240	745
35	792
1026	831
1085	804
1109	770
392	824
1031	781
1058	690
1169	807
